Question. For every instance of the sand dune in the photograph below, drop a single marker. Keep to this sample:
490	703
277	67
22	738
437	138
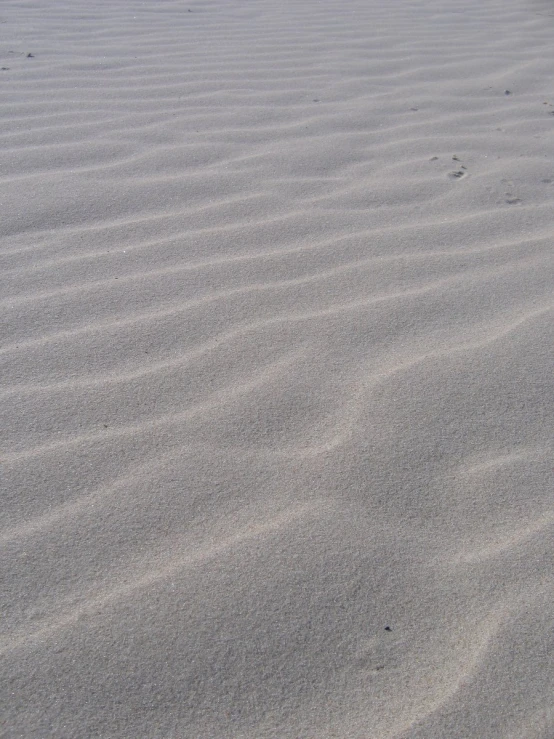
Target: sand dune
277	328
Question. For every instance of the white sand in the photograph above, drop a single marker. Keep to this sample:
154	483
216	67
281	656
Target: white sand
274	376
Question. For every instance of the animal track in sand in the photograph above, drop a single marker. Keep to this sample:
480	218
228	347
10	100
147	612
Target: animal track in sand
458	174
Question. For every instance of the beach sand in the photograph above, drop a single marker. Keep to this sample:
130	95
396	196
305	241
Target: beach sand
277	390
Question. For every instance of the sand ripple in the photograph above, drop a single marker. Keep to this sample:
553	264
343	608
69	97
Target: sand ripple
277	329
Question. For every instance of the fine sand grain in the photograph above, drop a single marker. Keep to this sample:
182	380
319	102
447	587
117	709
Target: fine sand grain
277	291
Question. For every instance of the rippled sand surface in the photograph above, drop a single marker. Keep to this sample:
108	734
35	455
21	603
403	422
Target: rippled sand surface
277	289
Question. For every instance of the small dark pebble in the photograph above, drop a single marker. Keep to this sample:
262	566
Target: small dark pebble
507	92
5	69
415	109
388	628
433	159
30	56
455	158
316	100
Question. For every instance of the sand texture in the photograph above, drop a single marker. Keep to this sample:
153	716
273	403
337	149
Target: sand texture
277	290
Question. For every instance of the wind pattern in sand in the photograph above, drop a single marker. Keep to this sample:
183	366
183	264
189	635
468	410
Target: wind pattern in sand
277	396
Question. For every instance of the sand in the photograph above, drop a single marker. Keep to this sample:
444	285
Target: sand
277	390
